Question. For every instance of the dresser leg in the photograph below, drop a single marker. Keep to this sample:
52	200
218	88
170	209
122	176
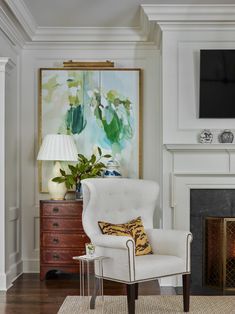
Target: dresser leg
42	274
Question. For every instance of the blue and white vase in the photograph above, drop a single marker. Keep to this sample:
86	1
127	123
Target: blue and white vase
112	169
226	136
78	191
206	137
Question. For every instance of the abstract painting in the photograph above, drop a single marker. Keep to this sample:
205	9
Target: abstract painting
98	107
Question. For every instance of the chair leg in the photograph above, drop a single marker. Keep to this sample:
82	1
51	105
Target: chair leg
186	291
94	295
136	290
131	298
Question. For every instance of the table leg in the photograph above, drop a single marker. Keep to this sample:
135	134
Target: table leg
88	279
95	293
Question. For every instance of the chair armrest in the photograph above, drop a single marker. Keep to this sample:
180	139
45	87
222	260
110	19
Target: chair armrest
121	253
112	241
171	242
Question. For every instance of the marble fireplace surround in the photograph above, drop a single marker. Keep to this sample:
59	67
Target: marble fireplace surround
193	166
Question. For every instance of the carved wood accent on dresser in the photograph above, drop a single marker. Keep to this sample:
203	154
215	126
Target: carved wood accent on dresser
61	236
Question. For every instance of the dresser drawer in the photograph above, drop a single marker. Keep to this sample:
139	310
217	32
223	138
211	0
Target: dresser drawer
63	240
63	209
62	224
60	256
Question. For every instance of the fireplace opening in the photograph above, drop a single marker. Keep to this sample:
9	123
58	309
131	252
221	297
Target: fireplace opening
211	203
219	252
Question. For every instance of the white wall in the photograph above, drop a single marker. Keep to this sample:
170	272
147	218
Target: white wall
181	60
10	111
144	56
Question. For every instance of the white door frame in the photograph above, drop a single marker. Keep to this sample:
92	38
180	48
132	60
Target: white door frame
3	283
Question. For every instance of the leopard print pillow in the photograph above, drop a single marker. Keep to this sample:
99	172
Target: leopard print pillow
133	228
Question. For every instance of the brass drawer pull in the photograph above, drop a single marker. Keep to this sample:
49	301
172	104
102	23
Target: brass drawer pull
55	240
55	210
55	224
56	256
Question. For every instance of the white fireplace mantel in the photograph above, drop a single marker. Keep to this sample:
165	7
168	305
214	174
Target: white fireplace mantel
194	166
201	158
199	147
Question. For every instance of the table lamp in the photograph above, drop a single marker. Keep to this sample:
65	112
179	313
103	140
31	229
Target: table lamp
57	147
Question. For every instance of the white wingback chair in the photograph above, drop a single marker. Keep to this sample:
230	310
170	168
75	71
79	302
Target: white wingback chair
118	201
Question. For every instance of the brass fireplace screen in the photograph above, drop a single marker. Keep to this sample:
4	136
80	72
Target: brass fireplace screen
219	257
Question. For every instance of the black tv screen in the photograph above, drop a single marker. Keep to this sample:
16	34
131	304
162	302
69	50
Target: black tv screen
217	84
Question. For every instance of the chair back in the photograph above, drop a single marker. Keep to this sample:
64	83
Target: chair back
117	201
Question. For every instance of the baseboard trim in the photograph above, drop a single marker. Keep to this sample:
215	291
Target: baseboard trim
3	282
13	273
31	266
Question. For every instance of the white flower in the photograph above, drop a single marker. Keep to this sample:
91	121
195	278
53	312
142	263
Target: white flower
108	115
104	101
73	91
90	93
121	112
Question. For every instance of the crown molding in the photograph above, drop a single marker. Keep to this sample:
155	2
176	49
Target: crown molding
150	29
189	12
10	30
197	26
153	19
145	32
101	34
23	15
115	46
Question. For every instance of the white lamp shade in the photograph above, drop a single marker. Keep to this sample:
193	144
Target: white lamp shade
58	147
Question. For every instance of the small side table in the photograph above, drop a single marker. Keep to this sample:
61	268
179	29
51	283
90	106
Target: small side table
85	262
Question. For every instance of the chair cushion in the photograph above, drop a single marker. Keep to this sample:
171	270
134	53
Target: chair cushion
153	266
133	228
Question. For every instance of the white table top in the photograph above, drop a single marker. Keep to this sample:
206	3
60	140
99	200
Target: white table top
89	258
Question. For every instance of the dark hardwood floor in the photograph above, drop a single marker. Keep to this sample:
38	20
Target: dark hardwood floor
29	295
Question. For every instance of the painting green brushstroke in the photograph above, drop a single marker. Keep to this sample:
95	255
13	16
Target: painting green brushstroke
75	120
50	86
115	117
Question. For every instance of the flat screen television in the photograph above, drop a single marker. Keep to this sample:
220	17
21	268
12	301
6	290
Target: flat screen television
217	84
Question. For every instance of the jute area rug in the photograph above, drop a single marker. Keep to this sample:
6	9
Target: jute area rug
151	305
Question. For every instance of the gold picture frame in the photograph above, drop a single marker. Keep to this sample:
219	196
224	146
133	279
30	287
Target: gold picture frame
126	80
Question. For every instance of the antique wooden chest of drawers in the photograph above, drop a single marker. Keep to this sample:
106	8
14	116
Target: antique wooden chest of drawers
61	236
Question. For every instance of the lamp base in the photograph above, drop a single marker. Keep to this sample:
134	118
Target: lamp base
56	190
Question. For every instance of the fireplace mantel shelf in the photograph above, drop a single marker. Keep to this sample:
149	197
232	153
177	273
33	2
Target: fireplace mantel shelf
200	147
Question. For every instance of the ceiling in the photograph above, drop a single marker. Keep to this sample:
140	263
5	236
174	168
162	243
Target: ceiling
96	13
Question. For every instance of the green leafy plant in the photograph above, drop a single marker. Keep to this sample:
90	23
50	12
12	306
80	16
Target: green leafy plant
85	168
